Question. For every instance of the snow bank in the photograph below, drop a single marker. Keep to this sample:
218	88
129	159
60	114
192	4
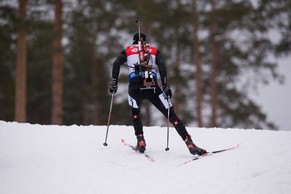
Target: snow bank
49	159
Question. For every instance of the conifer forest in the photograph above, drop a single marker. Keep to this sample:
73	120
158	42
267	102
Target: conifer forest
56	58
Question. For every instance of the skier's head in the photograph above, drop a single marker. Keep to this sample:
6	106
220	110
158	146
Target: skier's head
136	38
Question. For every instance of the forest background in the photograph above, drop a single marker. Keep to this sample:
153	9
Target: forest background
56	58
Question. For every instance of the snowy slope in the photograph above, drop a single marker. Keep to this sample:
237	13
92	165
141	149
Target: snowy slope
38	159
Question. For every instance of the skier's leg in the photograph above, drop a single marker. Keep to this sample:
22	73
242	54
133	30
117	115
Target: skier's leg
136	120
138	128
134	101
179	126
174	119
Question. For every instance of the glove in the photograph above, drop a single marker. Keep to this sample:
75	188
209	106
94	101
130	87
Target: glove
113	86
167	90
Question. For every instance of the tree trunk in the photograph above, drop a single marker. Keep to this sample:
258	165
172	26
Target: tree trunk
20	87
213	64
178	93
57	72
95	92
197	62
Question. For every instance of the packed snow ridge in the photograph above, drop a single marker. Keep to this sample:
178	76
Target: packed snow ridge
51	159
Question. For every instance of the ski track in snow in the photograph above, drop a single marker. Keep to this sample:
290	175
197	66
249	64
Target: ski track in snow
50	159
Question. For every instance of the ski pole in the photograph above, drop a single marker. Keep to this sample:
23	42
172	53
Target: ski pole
168	126
108	121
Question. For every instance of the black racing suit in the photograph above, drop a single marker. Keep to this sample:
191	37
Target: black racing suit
138	92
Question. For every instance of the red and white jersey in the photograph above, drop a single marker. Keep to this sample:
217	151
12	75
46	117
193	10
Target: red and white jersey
132	55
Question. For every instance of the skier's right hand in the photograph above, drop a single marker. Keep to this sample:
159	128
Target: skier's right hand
167	90
113	86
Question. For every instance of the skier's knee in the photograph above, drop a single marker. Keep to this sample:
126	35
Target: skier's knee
175	121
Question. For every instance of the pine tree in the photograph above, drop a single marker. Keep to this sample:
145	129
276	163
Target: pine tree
8	29
90	53
238	53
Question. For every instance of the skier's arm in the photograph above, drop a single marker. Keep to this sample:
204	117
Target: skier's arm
115	71
163	74
162	68
121	59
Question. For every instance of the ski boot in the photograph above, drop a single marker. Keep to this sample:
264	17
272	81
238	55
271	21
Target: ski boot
195	150
140	143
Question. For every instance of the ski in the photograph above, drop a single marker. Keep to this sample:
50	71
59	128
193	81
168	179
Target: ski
196	157
133	148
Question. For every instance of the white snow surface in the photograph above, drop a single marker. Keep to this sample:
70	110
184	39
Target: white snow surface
51	159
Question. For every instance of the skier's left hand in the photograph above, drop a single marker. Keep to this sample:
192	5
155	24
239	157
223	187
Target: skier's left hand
167	90
113	86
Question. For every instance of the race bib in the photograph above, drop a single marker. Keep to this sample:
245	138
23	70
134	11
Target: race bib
166	102
132	102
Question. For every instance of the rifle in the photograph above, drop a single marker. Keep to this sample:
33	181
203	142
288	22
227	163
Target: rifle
148	77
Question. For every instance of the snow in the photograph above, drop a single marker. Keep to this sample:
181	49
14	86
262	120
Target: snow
50	159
